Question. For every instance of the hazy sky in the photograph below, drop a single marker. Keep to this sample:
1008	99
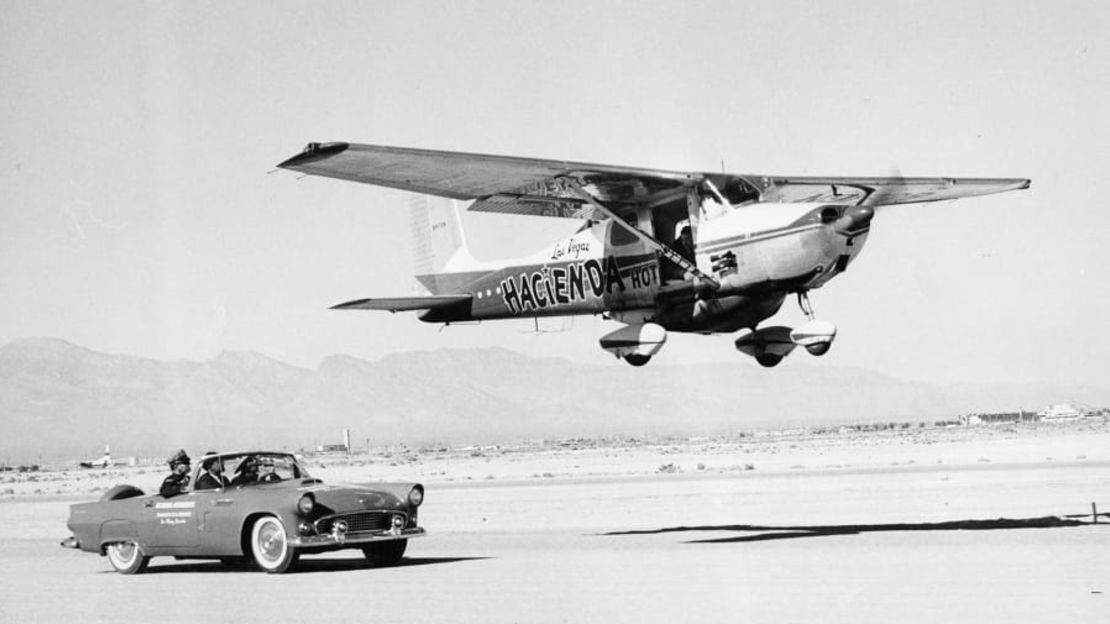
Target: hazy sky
137	214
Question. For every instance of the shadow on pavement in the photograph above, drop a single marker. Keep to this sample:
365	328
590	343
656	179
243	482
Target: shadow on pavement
305	564
765	533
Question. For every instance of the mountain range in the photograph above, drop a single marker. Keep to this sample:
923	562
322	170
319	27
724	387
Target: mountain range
60	400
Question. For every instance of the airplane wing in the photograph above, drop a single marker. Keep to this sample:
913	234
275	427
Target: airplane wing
540	187
502	184
403	304
880	191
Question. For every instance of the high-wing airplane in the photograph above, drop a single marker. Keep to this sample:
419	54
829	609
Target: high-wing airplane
104	461
658	250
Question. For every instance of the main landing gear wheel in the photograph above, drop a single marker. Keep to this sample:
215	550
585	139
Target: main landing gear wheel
768	360
126	557
636	359
270	547
385	553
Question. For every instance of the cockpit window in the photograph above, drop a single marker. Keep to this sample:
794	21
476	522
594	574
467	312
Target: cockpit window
620	236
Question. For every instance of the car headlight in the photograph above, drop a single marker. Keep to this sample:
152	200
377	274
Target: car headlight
416	496
306	504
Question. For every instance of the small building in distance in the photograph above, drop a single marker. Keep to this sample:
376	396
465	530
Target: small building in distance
994	418
1065	411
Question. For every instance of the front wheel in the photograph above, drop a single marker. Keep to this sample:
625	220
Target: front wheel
385	553
270	546
127	557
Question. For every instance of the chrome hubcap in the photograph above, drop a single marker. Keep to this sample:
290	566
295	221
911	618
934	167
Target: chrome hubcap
271	542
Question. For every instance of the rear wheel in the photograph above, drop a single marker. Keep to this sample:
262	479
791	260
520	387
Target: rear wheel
385	553
126	557
270	546
636	359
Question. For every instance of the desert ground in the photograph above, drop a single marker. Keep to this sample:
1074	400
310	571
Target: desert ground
914	524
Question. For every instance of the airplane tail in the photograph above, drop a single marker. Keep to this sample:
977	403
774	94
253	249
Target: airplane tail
439	242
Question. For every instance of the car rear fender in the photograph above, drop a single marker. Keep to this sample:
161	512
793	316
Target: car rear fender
117	531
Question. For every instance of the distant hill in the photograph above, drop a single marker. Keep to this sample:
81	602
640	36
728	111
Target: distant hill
60	400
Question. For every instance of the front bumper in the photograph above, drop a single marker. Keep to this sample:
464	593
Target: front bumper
354	537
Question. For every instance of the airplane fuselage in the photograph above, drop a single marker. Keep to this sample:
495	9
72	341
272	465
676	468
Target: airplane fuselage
758	253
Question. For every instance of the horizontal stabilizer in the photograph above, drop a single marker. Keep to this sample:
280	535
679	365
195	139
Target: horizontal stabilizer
404	304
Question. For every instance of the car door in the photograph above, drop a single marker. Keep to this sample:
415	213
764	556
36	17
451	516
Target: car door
219	515
169	525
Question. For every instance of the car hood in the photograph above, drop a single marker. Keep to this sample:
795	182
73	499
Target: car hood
343	498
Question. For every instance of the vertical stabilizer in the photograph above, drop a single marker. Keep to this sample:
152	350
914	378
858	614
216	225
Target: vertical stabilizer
439	242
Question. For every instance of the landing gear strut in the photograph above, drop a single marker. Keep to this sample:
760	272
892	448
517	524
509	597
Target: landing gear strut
816	336
804	304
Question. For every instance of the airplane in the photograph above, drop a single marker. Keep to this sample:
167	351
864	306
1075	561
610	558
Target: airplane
658	251
104	461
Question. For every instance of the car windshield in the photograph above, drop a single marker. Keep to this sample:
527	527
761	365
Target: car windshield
261	468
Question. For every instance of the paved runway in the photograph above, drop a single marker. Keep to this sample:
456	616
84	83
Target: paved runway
827	546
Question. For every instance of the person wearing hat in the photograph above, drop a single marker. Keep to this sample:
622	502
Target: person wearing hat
178	482
213	475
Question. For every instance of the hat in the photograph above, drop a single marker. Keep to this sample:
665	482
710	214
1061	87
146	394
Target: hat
179	458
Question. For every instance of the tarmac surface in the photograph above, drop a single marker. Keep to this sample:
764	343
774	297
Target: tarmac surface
906	544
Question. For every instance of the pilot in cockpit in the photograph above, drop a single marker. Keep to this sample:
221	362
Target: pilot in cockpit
684	243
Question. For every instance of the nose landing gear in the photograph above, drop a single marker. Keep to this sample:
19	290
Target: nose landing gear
770	345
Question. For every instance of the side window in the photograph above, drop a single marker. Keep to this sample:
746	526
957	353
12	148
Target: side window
619	236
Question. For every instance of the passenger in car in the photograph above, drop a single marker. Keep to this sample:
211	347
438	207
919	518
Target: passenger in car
246	471
212	477
178	481
268	475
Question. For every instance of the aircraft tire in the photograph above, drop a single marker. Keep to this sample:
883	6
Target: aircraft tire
820	348
768	360
636	359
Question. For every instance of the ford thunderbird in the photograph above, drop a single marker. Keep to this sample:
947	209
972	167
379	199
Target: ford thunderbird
269	514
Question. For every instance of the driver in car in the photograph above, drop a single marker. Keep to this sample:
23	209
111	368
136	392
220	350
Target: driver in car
268	475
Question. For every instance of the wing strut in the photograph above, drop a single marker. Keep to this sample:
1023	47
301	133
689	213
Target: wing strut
666	252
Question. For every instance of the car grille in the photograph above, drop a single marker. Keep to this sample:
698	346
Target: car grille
356	521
